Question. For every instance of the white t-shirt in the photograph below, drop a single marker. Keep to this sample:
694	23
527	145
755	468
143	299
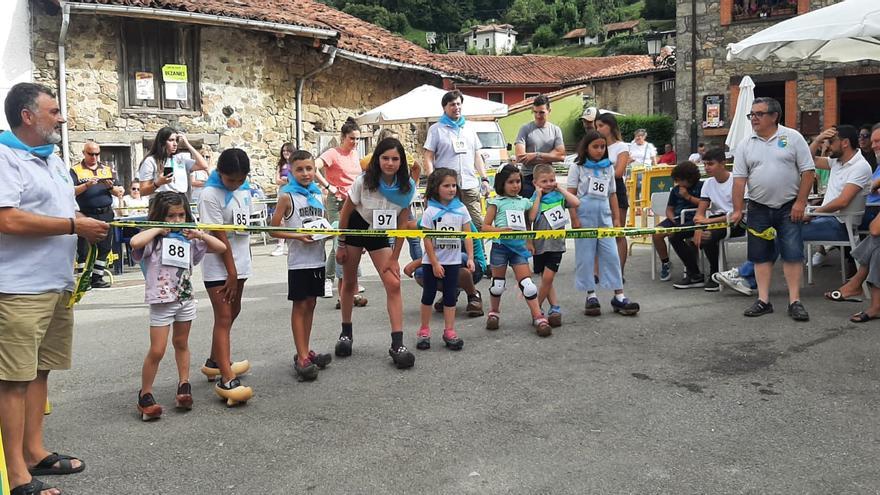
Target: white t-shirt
856	171
180	180
201	175
719	195
579	177
695	158
212	210
455	150
448	251
141	203
366	201
614	152
303	255
36	264
642	153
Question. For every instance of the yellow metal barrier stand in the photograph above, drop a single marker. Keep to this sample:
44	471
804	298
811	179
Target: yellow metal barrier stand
654	179
4	479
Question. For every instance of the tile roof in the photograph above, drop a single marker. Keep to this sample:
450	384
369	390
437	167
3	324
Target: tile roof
355	35
488	28
575	33
621	26
520	70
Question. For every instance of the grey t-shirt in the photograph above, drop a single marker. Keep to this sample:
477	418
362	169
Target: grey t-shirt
548	245
541	139
182	170
773	166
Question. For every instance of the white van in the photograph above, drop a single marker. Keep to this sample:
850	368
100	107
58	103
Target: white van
494	149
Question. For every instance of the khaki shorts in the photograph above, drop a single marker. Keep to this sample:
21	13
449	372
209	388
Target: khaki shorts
36	333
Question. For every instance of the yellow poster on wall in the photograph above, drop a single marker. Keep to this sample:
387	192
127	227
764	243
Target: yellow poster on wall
175	78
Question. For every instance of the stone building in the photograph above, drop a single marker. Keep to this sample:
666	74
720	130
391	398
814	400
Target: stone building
243	61
813	94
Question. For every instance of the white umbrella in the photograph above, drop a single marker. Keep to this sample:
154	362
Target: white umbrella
843	32
422	104
741	127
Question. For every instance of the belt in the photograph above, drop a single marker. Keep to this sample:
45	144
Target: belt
96	211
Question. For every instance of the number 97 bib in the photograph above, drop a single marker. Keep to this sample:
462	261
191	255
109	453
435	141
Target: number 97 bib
384	220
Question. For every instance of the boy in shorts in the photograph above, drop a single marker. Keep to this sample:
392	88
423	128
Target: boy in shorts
550	200
300	206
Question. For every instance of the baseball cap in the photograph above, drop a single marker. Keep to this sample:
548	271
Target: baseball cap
590	114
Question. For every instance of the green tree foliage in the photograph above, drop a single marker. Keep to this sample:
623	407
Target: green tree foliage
544	37
379	16
659	9
661	128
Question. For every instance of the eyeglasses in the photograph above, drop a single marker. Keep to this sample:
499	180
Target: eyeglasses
94	154
864	136
134	189
757	115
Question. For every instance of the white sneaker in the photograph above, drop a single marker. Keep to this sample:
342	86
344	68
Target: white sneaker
361	289
278	251
736	283
730	274
818	259
328	288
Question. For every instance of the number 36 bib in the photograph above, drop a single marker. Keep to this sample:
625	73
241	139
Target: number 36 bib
176	252
597	186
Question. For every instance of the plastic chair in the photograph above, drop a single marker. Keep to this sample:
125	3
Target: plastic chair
722	246
851	216
658	210
260	218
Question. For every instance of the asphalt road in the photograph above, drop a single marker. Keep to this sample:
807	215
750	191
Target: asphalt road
687	397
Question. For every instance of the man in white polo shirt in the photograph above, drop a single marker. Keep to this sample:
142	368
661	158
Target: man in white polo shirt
849	181
451	143
39	225
777	164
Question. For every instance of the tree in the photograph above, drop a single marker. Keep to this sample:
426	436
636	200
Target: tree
545	37
659	9
591	20
379	16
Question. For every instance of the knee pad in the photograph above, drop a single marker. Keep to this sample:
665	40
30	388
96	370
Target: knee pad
528	288
497	287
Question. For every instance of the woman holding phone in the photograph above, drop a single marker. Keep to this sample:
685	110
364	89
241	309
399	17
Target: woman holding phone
162	170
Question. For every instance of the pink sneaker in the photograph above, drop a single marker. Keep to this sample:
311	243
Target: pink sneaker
423	338
452	340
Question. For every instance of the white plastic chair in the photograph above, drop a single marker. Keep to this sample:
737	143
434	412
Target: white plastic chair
260	218
851	216
722	247
658	211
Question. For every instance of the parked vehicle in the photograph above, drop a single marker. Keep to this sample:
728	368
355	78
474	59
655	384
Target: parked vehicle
494	149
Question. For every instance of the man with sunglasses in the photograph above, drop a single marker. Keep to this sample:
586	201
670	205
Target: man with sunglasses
777	164
95	186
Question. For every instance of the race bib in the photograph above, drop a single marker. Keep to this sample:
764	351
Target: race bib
597	187
319	224
384	220
446	242
516	219
556	217
241	217
458	145
176	253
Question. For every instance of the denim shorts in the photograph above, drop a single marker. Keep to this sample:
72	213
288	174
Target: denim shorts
502	255
789	242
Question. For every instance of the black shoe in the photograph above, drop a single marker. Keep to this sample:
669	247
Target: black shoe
100	283
343	347
690	282
592	307
306	371
234	383
402	357
797	312
759	308
321	360
712	286
438	306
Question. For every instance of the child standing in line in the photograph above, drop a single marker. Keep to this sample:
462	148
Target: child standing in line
227	200
377	200
592	179
442	259
549	203
505	213
300	206
167	259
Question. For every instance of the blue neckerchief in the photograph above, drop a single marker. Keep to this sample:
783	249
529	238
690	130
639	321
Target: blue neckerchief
215	181
312	192
596	166
392	192
175	234
454	207
457	125
11	140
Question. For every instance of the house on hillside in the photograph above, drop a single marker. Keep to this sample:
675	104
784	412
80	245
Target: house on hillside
624	28
629	84
580	37
491	39
814	95
252	74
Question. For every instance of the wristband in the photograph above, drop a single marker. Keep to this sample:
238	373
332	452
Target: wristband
72	226
327	186
485	179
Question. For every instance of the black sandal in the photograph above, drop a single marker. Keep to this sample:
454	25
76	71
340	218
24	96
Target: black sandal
862	317
35	487
46	467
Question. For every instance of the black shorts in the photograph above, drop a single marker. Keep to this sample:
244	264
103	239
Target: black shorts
305	284
370	243
210	284
549	260
622	199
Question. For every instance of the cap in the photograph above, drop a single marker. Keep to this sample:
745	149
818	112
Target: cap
590	114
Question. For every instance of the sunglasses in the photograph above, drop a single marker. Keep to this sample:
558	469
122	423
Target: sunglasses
94	154
864	136
135	190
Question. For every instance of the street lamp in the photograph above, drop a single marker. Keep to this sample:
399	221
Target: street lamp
663	56
654	40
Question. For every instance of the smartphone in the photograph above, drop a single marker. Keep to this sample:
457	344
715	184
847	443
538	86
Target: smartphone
167	170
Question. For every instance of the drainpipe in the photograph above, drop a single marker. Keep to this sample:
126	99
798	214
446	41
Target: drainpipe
693	75
62	81
299	91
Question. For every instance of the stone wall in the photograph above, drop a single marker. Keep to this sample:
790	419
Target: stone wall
247	71
631	96
714	72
